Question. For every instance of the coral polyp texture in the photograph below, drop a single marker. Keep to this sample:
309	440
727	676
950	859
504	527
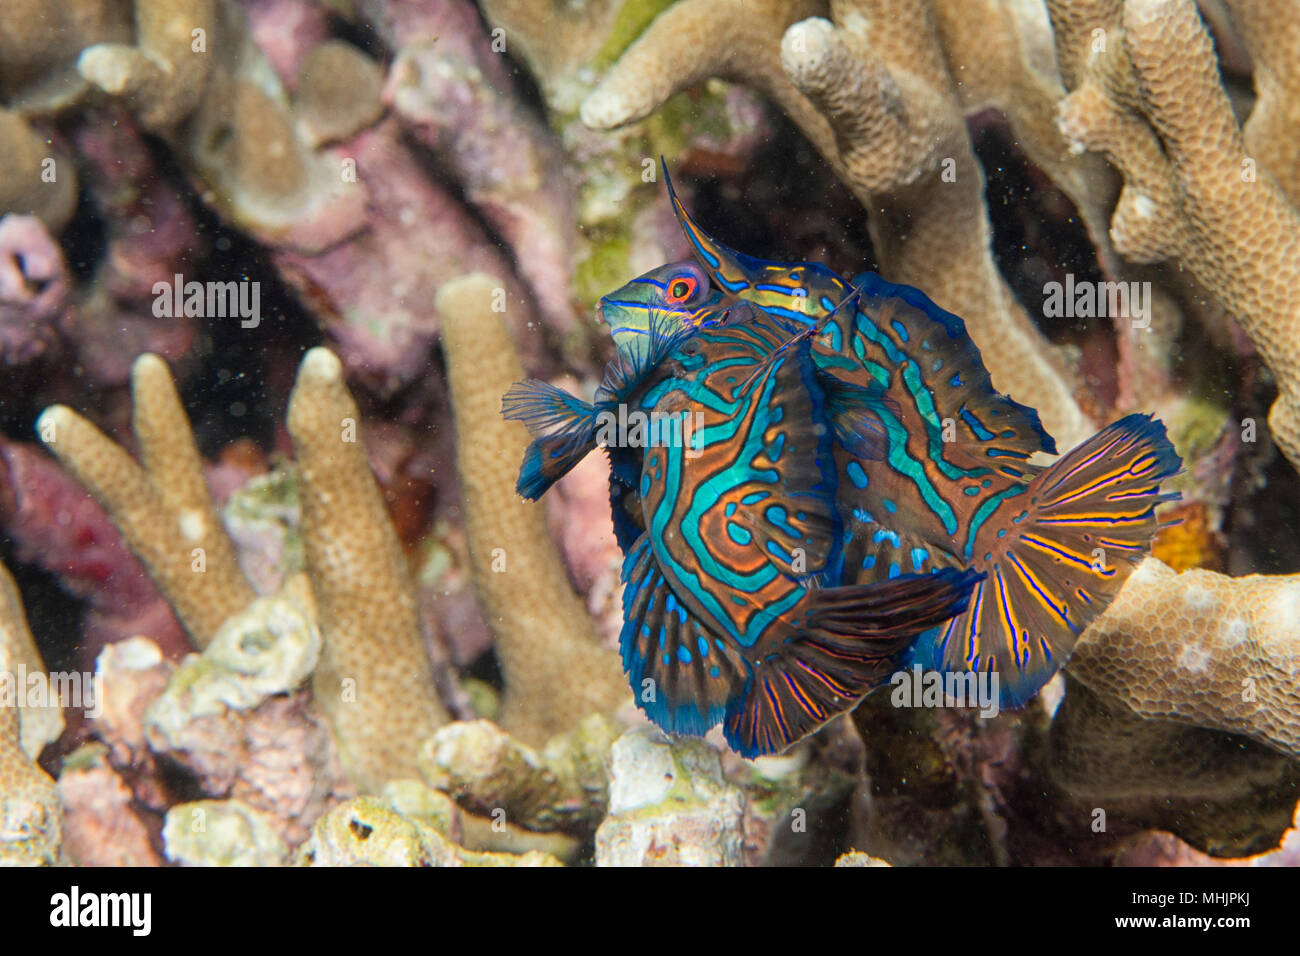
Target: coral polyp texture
269	267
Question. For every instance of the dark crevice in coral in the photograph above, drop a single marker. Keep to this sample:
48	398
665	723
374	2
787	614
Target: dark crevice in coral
1038	234
486	668
526	89
228	393
362	35
786	205
84	240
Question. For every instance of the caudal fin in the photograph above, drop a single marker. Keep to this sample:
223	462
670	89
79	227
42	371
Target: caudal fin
851	640
1055	556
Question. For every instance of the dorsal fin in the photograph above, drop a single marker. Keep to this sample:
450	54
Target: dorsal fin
780	287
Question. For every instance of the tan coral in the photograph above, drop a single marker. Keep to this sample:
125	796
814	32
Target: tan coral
163	506
30	817
555	672
1202	648
1151	100
554	37
692	41
374	679
163	75
872	91
338	92
1270	31
37	179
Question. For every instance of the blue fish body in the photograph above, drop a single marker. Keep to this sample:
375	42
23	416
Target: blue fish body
856	480
954	486
734	609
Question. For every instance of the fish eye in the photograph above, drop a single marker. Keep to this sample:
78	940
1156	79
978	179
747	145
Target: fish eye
681	288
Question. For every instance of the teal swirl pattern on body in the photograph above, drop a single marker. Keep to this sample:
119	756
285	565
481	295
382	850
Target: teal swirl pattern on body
850	480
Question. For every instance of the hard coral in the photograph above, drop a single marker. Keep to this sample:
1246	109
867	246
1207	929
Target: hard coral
374	679
30	816
162	506
1203	649
555	671
1151	100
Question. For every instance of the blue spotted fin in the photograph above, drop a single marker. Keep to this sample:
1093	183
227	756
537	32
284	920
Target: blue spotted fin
692	674
1056	554
852	639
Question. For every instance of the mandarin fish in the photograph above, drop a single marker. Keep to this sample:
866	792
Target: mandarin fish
931	462
954	487
734	611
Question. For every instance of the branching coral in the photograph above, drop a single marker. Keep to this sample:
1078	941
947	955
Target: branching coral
1149	97
30	817
163	74
555	672
1203	649
374	679
1271	34
163	506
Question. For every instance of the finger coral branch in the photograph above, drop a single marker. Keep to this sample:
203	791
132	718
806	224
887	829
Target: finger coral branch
693	40
374	679
162	76
1202	648
30	818
163	509
555	673
1270	31
1150	98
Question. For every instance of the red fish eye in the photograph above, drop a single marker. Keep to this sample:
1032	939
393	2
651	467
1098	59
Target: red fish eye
681	288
